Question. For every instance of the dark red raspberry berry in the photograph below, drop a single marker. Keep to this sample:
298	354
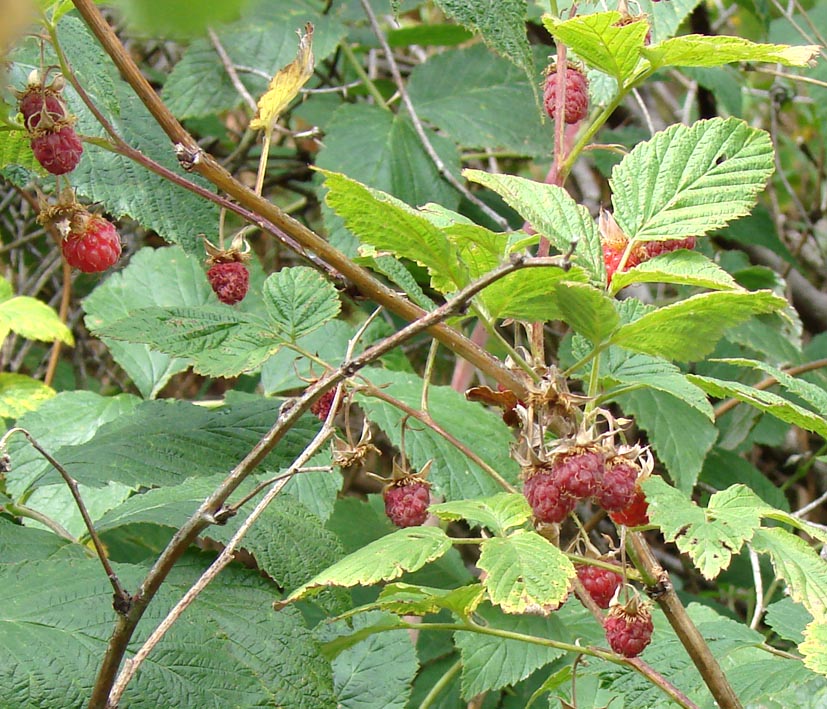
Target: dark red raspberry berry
617	491
407	500
656	248
230	280
637	512
600	583
321	407
92	244
577	94
544	493
41	105
579	471
628	628
58	151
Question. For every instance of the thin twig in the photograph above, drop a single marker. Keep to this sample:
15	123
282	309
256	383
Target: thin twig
759	588
500	221
63	314
122	599
132	665
229	67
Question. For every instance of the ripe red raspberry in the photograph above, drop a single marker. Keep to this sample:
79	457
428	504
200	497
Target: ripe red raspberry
544	493
579	471
57	151
230	280
628	628
577	94
92	244
407	500
321	407
636	513
617	491
600	583
656	248
41	104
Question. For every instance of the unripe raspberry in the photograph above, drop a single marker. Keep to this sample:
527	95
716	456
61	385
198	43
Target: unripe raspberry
57	151
577	94
579	470
321	407
546	497
407	500
230	281
617	491
635	514
600	583
92	244
629	628
656	248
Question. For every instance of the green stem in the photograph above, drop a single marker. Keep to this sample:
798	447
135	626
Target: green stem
29	513
443	682
362	74
518	359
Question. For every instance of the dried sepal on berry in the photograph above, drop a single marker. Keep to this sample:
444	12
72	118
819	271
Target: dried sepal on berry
408	496
629	626
227	274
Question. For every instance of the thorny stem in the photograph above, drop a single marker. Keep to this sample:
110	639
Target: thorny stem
121	599
289	414
267	213
657	579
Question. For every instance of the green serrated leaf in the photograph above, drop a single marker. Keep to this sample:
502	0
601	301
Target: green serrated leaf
300	300
80	413
688	330
385	222
383	560
765	401
505	115
377	671
15	150
19	394
501	24
499	513
530	294
689	180
799	565
600	41
552	213
402	277
383	151
490	662
709	536
788	619
407	599
26	544
167	277
681	267
587	310
453	476
703	50
524	572
620	366
162	443
220	341
33	319
812	394
814	647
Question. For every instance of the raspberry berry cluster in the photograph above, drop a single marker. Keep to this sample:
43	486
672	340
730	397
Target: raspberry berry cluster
407	497
227	274
577	471
49	124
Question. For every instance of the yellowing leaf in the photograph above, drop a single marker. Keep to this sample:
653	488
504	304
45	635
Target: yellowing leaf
285	84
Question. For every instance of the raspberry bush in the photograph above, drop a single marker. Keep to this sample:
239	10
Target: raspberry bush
601	337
